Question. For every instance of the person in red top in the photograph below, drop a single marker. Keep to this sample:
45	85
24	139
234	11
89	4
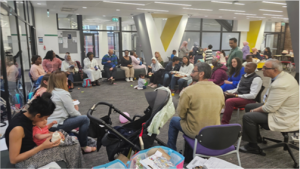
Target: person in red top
50	62
41	132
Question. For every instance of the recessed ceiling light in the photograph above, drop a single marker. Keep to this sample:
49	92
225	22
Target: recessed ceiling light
118	10
244	14
281	18
277	3
168	3
234	17
197	9
272	15
267	10
284	6
231	10
239	4
205	15
222	2
77	14
220	16
84	7
125	3
39	3
104	16
155	10
255	17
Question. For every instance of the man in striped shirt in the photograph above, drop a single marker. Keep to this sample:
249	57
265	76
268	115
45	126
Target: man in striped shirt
209	55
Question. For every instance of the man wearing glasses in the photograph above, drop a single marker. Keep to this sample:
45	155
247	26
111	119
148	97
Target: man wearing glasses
199	106
279	110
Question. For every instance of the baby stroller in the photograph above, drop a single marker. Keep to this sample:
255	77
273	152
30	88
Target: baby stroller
125	139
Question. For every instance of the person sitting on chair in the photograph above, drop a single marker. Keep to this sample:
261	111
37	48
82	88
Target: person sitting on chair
171	66
92	69
280	110
245	93
199	106
219	74
110	61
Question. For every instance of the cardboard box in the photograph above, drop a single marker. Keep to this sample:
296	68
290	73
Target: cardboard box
123	158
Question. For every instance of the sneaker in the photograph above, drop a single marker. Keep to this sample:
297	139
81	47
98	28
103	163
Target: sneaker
127	79
131	79
112	81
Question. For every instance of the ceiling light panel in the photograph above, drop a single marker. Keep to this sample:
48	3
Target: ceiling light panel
168	3
276	3
272	15
125	3
284	6
281	18
223	2
244	14
256	17
197	9
231	10
239	4
154	10
267	10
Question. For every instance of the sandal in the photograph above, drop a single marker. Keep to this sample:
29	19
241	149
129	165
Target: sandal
88	149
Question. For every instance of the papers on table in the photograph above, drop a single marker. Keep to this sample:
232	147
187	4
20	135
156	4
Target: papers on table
76	102
211	163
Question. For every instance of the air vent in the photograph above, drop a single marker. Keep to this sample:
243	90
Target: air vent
64	9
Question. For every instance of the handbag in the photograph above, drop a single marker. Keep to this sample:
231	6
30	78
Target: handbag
86	82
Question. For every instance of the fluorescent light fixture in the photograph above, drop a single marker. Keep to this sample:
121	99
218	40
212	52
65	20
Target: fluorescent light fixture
169	3
84	7
277	3
125	3
206	16
267	10
220	16
104	16
284	6
118	10
256	17
244	14
272	15
281	18
39	3
231	10
197	9
154	10
222	2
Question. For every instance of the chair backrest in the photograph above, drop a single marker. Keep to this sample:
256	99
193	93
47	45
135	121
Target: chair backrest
30	77
258	97
219	137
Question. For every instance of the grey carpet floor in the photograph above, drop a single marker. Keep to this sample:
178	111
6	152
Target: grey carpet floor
126	99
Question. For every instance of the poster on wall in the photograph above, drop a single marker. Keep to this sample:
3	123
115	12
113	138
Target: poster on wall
69	36
41	42
65	42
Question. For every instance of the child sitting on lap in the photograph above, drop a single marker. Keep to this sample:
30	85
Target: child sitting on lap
41	131
142	83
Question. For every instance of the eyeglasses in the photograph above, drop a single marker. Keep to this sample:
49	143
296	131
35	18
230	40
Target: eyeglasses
194	71
266	68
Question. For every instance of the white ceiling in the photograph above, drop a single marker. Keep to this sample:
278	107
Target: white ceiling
100	8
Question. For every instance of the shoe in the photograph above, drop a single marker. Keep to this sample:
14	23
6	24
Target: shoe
127	79
70	90
150	84
253	150
112	81
97	83
131	79
154	86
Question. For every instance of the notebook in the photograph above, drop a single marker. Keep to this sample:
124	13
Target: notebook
211	163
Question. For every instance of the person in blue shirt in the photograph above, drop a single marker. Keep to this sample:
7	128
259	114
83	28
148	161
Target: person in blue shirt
110	61
235	73
173	54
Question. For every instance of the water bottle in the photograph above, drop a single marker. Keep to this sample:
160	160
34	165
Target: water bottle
55	137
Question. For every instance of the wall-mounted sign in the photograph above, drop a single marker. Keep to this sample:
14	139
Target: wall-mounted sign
41	42
282	23
115	19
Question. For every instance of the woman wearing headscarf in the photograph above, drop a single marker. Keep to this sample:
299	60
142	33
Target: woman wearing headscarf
70	67
154	73
256	54
197	52
183	51
245	50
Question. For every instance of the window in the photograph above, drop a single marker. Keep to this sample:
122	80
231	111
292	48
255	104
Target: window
230	23
191	38
128	24
211	39
211	25
193	24
67	21
103	23
225	40
20	9
129	41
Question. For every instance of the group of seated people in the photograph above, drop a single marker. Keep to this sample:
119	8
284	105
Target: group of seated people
200	104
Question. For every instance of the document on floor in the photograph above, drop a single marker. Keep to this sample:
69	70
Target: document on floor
211	163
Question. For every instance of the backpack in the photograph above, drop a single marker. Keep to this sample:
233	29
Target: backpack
18	100
199	51
86	82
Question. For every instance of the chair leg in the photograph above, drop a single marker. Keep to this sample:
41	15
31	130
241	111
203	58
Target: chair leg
238	114
238	157
293	146
291	154
274	146
273	140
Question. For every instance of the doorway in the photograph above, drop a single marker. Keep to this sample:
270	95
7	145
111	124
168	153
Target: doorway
275	42
89	43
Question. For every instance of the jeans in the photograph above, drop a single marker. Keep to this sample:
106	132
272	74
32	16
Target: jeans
83	122
174	129
166	79
176	79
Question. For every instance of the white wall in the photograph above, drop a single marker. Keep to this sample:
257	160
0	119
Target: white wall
260	37
48	25
243	38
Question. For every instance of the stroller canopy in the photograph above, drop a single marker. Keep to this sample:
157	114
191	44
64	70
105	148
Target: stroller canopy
157	99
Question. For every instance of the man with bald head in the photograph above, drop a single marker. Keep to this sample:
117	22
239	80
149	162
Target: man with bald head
245	93
110	61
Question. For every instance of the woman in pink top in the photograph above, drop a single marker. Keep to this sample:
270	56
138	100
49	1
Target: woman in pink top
135	63
36	69
50	62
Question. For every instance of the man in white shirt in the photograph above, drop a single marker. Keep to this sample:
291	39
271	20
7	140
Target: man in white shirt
245	93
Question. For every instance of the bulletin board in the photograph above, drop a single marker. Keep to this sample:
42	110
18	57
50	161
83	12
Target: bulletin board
67	42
